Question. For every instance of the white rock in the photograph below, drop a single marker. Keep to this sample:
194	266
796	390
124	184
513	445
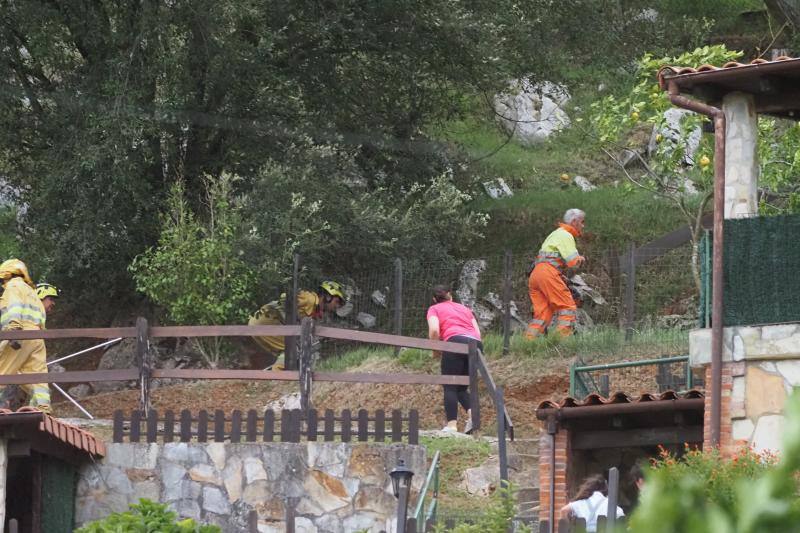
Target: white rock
216	451
533	112
671	135
132	455
584	184
204	474
790	370
80	391
742	429
379	298
768	433
214	501
345	310
287	401
254	470
232	477
482	480
497	188
366	320
467	291
738	348
304	525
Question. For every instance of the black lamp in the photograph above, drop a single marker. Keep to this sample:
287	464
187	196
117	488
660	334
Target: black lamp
401	484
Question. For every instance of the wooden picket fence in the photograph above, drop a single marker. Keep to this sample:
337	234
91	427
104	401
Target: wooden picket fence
288	425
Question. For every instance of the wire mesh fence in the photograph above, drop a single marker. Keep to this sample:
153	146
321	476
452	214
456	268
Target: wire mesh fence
394	297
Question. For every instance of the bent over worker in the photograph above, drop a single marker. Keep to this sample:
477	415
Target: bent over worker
550	296
21	309
328	297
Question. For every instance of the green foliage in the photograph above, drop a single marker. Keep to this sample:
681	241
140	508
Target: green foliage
196	273
646	102
353	358
497	518
146	517
9	245
415	359
708	494
456	455
779	159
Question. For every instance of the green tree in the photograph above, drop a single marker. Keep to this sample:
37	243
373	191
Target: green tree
196	272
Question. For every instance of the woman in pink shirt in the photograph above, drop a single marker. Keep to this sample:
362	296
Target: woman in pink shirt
453	322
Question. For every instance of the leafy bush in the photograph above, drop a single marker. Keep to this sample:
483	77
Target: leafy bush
196	273
146	517
706	493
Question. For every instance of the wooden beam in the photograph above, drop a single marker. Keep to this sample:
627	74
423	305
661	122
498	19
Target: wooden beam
224	331
401	379
71	377
626	438
250	375
392	340
669	241
93	333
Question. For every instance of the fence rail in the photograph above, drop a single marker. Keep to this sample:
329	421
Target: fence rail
305	375
251	426
581	382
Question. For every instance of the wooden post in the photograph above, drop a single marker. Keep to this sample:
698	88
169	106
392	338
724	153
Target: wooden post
630	291
398	299
252	522
474	401
500	405
306	362
605	388
613	498
508	271
290	343
143	360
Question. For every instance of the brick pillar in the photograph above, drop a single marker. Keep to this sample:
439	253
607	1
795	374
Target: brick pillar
562	451
726	444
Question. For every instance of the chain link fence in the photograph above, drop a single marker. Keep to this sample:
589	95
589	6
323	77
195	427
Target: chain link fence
394	297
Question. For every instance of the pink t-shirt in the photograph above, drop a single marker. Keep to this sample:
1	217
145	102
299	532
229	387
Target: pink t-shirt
454	319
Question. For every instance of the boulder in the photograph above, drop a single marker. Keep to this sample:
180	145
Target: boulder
670	133
482	480
118	356
497	188
288	401
587	293
366	320
79	391
497	303
467	291
584	184
379	298
532	111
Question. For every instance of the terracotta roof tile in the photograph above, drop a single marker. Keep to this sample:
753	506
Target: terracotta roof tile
619	397
672	71
67	433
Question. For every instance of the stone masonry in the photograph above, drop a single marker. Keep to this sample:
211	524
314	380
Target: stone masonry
741	156
335	487
761	366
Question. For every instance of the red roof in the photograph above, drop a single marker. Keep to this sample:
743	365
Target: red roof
67	433
619	398
773	84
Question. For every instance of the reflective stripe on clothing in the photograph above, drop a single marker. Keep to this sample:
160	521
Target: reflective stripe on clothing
560	246
19	312
20	308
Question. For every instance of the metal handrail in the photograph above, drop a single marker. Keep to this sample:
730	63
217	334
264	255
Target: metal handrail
575	369
431	479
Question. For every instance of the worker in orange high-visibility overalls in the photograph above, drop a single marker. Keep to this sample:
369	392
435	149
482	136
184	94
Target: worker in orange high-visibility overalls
549	293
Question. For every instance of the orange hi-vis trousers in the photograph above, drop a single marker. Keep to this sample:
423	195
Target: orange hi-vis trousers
550	297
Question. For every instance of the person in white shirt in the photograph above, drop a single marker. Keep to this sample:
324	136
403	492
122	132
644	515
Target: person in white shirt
590	502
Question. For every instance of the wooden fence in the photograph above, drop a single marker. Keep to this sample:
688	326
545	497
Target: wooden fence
306	376
288	425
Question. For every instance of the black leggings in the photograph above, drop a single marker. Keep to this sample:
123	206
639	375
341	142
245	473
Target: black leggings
456	364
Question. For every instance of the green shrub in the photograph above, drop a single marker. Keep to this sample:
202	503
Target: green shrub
146	517
705	493
497	518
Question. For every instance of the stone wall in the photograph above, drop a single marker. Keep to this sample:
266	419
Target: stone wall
337	487
761	366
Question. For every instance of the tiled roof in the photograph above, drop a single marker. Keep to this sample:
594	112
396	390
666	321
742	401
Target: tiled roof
672	71
619	398
77	438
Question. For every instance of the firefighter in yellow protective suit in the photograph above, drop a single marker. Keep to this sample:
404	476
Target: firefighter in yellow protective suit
550	296
21	309
328	297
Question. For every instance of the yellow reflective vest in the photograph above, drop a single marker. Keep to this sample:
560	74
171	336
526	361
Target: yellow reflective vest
20	308
559	249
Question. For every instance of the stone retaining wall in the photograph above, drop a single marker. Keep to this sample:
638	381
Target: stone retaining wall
763	366
338	487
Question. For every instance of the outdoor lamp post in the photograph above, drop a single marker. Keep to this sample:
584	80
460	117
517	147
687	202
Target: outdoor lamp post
401	484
